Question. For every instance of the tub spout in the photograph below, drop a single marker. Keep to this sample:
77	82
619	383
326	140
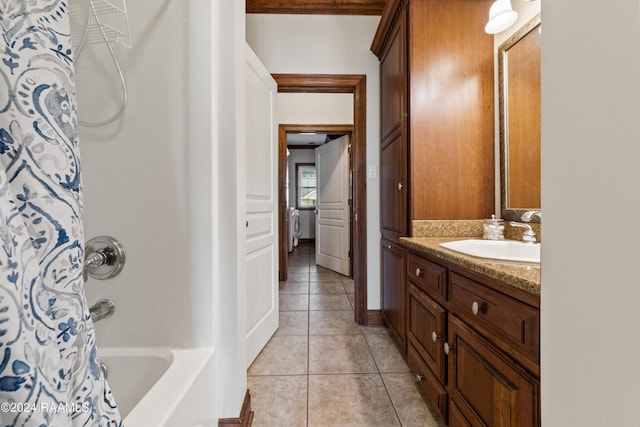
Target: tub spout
101	310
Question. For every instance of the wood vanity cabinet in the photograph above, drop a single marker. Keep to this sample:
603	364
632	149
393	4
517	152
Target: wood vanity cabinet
473	344
393	276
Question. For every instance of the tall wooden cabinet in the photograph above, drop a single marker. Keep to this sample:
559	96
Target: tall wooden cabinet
437	112
437	118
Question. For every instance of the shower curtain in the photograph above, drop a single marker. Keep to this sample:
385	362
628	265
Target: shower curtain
49	374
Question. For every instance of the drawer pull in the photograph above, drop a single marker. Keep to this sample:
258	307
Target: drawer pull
434	336
419	377
389	246
418	272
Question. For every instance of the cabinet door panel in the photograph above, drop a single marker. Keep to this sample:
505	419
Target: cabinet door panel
426	317
393	290
393	188
393	81
489	389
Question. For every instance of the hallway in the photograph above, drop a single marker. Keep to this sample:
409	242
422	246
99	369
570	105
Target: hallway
321	369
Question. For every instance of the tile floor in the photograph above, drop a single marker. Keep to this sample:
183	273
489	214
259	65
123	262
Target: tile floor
321	369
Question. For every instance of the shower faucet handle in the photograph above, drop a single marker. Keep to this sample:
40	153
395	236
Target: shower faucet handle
104	258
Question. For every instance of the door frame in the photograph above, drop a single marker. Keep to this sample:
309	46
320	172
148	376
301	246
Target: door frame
335	83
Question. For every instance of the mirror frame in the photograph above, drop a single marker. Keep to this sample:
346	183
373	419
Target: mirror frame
507	213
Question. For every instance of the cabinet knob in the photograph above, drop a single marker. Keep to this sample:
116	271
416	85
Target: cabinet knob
475	308
434	336
447	348
389	246
419	377
418	272
400	186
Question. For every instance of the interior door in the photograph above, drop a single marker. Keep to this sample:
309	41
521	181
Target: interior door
332	206
261	201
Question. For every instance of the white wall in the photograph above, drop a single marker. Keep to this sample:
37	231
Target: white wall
162	179
330	44
315	108
590	197
137	182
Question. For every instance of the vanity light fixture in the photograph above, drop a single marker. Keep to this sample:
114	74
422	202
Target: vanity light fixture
501	17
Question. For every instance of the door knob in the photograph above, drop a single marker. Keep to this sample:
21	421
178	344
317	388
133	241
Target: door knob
434	336
400	186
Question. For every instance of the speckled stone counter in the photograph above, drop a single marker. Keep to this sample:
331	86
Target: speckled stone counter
524	276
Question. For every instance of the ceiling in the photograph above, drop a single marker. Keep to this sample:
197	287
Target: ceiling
312	139
317	7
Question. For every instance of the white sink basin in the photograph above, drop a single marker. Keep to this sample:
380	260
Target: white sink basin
508	250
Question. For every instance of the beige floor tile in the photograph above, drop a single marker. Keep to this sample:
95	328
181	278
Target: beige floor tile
349	400
349	286
325	276
333	354
352	300
293	302
329	302
386	354
291	287
293	323
375	330
409	403
283	355
279	400
326	288
333	323
297	277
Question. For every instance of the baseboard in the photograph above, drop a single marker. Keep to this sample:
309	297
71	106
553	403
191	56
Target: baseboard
374	318
246	415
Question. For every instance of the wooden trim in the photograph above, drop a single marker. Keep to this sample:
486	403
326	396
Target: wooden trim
283	258
388	19
246	415
374	318
317	7
356	84
283	261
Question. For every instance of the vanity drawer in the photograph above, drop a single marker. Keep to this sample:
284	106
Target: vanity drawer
430	277
512	321
434	390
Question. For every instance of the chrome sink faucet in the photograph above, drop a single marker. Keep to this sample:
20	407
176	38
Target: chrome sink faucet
528	215
528	236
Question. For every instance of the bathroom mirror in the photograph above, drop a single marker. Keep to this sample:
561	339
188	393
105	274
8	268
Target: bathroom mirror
519	104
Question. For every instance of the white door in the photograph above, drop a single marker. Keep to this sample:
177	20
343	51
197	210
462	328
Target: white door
333	234
261	200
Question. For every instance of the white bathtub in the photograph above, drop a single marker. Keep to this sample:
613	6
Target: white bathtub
161	387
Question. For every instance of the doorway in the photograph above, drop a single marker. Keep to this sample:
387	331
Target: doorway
320	194
334	83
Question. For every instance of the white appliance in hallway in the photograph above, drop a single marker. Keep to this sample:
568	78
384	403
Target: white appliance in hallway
333	231
294	228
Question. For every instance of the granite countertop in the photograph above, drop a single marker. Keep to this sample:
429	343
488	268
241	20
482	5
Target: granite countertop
524	276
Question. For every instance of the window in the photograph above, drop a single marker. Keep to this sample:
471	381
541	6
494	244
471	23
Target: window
305	185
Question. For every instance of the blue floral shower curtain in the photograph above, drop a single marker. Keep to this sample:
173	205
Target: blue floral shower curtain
49	374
